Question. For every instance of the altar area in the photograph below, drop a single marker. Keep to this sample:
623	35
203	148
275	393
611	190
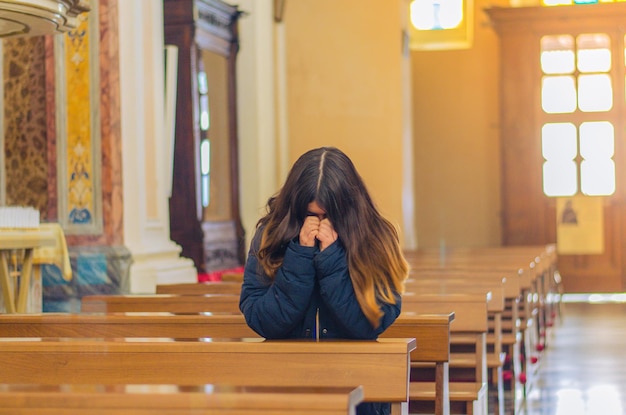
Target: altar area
22	252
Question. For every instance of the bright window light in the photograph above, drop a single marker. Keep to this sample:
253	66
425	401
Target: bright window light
558	94
559	178
595	93
597	177
597	140
436	14
557	54
558	141
205	172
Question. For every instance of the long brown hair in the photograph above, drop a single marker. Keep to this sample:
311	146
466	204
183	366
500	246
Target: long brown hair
327	176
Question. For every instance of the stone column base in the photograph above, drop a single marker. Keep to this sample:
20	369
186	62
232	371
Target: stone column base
148	270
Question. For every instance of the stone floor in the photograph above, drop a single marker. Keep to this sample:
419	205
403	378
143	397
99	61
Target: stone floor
583	369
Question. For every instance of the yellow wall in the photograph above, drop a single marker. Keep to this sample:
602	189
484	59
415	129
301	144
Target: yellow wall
344	88
456	143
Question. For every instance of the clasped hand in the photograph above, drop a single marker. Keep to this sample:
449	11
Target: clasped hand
316	229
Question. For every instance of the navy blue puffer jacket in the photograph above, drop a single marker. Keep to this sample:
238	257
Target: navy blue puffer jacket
309	282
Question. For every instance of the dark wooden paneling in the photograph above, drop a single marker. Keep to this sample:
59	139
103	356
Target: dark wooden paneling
193	25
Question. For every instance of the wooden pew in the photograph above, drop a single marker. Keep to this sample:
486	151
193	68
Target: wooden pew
510	266
381	367
441	284
530	308
167	399
200	288
502	338
216	303
233	277
432	333
113	325
459	391
469	328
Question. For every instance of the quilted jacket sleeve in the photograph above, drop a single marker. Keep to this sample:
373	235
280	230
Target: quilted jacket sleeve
273	309
338	293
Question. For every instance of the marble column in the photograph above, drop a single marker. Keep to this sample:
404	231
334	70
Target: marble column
146	150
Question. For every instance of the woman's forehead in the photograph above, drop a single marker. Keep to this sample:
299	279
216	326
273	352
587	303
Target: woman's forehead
314	207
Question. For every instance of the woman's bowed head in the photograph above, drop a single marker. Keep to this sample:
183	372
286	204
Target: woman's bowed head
323	244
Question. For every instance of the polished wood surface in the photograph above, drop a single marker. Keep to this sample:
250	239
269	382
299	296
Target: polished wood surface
216	303
165	399
197	27
254	362
199	288
432	332
126	325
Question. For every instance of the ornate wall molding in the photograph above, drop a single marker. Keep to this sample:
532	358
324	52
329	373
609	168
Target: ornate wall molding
39	17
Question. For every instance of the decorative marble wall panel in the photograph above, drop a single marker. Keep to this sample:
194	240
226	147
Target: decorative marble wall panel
77	129
63	150
26	164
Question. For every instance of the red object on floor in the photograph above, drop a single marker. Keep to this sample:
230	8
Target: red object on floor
217	275
539	347
534	359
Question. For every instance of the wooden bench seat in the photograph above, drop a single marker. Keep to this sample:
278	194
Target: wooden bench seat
469	394
523	312
255	362
432	332
216	303
109	325
232	277
200	288
433	337
166	399
470	324
533	266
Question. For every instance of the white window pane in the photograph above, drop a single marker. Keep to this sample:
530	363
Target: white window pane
206	190
597	178
557	54
554	62
558	94
559	178
205	157
204	112
436	14
203	85
595	93
597	140
594	52
594	60
558	141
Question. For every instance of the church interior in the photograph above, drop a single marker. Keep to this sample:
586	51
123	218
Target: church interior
141	140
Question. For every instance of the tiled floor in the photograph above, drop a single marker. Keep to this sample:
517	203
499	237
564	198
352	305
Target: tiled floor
583	369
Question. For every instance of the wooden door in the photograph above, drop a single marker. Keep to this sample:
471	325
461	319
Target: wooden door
206	34
529	215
